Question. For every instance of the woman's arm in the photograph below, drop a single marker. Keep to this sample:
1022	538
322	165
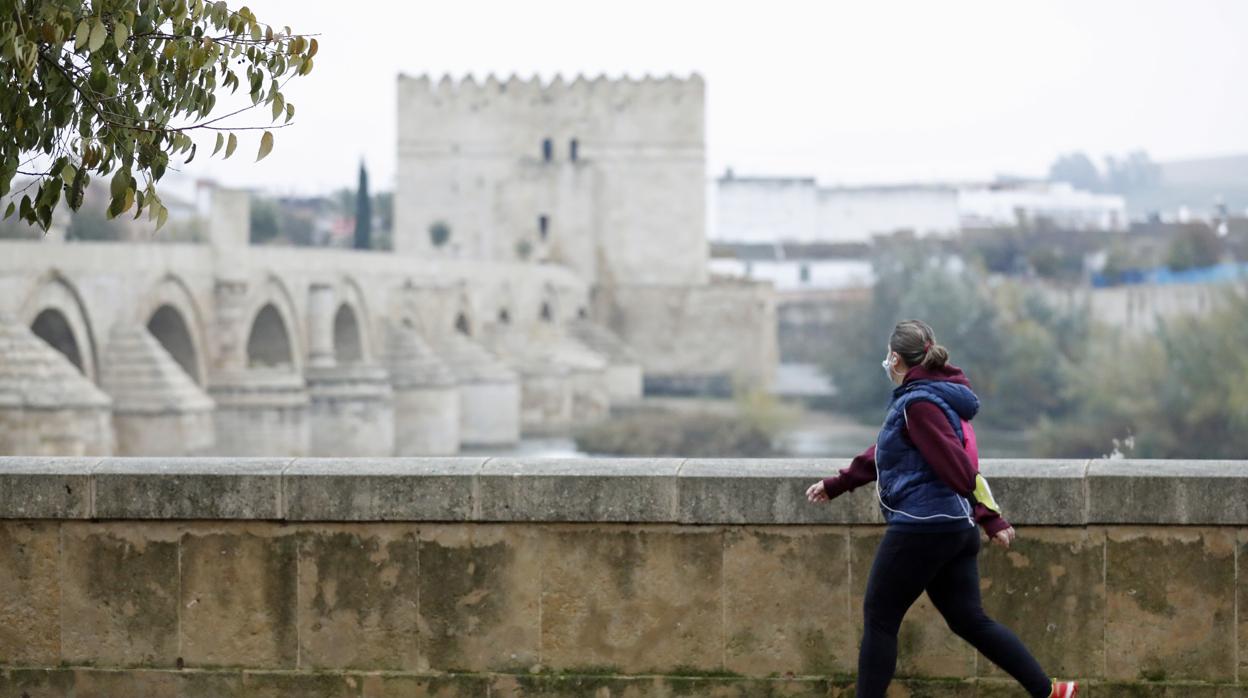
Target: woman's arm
861	470
930	432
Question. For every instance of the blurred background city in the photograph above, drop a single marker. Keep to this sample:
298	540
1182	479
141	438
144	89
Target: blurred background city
553	228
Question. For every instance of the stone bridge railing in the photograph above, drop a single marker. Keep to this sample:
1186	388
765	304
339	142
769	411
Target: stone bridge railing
504	577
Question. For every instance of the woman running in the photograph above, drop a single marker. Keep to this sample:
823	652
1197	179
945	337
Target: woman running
932	496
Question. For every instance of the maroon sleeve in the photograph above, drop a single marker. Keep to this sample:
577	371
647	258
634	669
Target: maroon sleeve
933	435
861	470
992	522
936	440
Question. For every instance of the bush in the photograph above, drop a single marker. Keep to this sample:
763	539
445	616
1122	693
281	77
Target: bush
1182	393
664	433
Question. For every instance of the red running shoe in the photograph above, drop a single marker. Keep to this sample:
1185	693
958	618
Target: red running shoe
1064	689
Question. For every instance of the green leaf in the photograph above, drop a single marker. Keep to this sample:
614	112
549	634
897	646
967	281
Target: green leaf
116	206
119	184
290	112
230	145
278	105
82	35
220	142
194	148
266	145
9	211
313	49
98	34
161	216
121	34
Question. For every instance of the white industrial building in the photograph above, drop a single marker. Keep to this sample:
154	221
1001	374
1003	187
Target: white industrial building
797	209
1063	206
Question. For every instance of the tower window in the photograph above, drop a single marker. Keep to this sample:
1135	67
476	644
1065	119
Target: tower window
543	225
572	150
548	150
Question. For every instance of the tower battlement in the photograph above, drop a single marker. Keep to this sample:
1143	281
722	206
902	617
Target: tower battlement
515	87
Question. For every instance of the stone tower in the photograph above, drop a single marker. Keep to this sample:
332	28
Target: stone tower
603	176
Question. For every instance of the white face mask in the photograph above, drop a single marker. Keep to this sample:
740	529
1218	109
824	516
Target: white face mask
888	364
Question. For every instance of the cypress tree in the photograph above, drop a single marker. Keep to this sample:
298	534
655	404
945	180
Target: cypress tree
363	213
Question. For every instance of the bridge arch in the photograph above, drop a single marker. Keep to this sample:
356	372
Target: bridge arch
273	335
353	338
54	311
173	317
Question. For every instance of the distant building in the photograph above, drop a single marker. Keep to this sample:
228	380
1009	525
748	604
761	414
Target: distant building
1031	203
797	209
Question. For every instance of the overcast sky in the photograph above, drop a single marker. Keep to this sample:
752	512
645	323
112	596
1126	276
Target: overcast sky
850	92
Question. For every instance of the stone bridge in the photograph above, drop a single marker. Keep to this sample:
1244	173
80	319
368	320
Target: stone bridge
226	349
370	578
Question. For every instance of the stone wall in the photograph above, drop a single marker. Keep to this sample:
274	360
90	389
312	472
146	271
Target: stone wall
696	339
502	577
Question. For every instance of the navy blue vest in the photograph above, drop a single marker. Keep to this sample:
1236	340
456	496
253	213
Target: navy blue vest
910	494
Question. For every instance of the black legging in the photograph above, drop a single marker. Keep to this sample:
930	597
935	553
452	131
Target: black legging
946	565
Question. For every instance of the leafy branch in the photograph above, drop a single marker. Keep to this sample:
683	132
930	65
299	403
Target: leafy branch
116	87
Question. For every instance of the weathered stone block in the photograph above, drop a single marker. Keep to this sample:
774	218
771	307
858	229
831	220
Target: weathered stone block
912	688
449	686
389	489
1113	689
238	596
37	683
1241	608
576	686
1170	604
188	488
286	685
358	589
786	602
1167	492
633	599
1048	588
771	491
625	489
30	593
102	683
210	684
119	594
926	647
1039	492
45	488
480	591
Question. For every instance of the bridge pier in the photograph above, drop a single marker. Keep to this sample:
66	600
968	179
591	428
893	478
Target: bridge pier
426	396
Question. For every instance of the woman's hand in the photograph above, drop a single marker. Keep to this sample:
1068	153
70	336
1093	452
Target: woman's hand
816	493
1004	538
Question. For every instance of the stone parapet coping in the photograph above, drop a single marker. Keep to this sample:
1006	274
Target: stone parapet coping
625	490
